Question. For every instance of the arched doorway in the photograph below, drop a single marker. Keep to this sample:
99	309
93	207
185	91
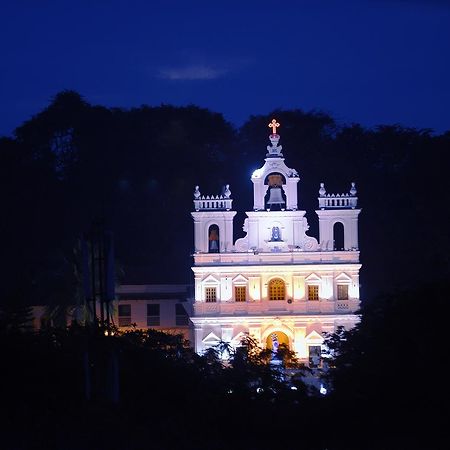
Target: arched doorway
338	236
275	339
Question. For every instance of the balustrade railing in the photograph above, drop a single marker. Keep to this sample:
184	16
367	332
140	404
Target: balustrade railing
265	307
348	200
212	203
338	201
208	203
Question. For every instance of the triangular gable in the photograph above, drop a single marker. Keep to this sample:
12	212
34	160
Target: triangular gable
314	337
210	279
238	338
343	277
211	337
240	279
313	277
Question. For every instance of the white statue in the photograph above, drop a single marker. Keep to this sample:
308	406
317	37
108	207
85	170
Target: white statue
227	192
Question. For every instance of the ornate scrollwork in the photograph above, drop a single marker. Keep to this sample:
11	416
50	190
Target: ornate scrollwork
310	244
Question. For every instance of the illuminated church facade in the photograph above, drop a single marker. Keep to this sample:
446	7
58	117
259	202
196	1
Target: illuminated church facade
277	284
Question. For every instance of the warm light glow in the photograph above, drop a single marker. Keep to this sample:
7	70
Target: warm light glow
282	339
274	125
353	290
255	293
327	291
298	286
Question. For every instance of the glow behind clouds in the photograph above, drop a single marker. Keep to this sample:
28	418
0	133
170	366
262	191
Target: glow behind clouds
362	60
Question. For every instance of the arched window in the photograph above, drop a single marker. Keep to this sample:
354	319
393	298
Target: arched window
277	289
338	236
213	239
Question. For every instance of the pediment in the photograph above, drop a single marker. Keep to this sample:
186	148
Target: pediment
211	279
343	277
314	337
313	277
240	279
238	338
211	338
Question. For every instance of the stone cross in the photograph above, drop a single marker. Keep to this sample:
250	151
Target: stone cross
274	125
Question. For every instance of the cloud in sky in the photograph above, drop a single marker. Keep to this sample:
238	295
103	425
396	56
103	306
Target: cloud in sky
191	72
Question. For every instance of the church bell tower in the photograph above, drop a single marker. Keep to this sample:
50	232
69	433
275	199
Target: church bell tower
276	283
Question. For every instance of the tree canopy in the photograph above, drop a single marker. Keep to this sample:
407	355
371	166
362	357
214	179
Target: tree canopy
136	169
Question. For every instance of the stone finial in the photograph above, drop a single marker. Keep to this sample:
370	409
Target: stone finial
227	192
274	149
353	190
322	190
197	193
274	139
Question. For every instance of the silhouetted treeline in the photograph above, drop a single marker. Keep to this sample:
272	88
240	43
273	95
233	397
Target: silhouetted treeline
79	388
136	169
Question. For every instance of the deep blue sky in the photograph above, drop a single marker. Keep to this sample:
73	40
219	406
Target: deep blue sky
363	61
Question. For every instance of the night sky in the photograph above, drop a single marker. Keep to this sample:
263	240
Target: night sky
362	61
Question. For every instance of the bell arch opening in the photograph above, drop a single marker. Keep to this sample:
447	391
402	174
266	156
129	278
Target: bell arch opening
213	239
275	198
338	236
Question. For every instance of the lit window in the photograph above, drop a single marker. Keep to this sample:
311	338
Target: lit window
342	291
313	292
277	289
240	293
210	294
153	315
124	315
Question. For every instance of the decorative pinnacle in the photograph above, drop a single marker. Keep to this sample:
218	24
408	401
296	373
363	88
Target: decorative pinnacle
274	125
322	190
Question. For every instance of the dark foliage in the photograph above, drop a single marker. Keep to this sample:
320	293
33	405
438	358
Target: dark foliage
390	368
136	169
78	388
75	163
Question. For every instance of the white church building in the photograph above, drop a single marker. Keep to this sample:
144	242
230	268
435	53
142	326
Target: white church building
277	284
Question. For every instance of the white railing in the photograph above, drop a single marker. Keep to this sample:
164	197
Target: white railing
213	203
267	307
287	257
338	201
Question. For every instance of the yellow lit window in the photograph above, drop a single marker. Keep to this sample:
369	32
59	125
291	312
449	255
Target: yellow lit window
240	293
342	292
277	289
210	295
313	292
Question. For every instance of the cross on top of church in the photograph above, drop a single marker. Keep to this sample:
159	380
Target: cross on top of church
274	125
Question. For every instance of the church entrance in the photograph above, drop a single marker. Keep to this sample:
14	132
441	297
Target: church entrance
275	339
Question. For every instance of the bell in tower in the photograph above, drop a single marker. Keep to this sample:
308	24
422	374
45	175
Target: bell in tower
275	191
